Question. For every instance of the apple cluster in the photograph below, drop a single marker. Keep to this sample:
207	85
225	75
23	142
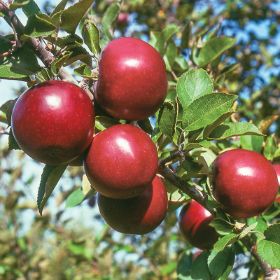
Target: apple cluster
53	122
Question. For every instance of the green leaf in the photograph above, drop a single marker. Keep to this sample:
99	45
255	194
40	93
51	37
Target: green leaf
168	268
60	7
39	25
103	122
167	118
206	110
13	145
49	179
184	266
18	66
224	241
192	85
163	37
91	36
75	198
84	71
270	252
270	147
109	17
200	269
221	226
234	129
221	263
7	109
71	17
251	142
247	230
170	55
31	9
211	50
18	4
273	233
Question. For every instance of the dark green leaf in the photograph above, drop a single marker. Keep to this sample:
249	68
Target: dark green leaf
270	252
71	17
273	233
31	9
184	266
192	85
234	129
39	25
7	109
167	118
212	49
221	226
221	263
13	145
18	66
109	17
49	179
60	7
206	110
18	4
200	269
75	198
91	36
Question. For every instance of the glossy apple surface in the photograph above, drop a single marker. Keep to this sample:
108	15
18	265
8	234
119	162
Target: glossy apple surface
277	169
53	122
137	215
132	81
194	222
244	182
121	161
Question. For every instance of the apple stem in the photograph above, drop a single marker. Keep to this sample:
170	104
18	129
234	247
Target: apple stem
46	56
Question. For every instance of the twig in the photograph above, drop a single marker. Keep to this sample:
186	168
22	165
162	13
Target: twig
85	85
46	56
169	159
191	191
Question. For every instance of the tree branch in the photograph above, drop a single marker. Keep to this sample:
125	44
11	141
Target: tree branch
46	56
191	191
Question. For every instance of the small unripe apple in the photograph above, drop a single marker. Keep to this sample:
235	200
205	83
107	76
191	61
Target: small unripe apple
194	222
132	82
53	122
121	161
244	182
137	215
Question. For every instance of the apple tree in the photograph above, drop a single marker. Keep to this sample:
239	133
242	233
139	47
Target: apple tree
164	116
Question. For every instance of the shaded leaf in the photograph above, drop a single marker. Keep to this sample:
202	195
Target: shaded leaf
109	17
49	179
212	49
75	198
167	118
91	36
273	233
72	16
200	267
234	129
251	142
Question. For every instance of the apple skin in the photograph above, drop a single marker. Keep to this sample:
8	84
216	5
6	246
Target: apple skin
132	81
121	161
194	222
137	215
53	122
122	18
277	169
244	182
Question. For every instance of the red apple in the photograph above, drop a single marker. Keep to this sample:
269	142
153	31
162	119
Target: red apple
137	215
194	222
53	122
277	169
122	18
244	182
121	161
132	81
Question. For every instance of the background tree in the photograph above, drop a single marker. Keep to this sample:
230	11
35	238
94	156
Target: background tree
219	55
